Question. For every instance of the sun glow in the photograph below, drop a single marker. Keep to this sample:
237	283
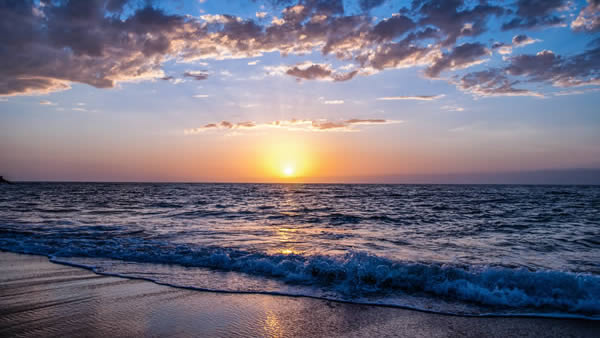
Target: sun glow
287	159
288	171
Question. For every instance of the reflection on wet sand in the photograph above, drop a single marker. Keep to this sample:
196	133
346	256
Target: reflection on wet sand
38	298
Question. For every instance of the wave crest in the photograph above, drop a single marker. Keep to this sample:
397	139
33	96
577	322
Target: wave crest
353	275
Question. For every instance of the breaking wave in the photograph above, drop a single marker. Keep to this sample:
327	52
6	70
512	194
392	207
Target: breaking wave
355	275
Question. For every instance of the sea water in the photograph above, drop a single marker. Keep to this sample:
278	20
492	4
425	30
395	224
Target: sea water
461	249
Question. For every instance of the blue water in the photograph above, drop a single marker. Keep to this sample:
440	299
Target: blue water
473	250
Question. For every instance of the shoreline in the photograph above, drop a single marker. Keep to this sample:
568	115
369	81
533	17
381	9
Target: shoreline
40	297
279	294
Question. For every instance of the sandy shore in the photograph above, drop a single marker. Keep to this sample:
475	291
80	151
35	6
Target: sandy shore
40	298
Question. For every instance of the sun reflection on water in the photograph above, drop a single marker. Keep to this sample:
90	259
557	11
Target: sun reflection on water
272	326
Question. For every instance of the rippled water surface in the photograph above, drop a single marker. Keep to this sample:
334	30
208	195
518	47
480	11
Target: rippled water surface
459	249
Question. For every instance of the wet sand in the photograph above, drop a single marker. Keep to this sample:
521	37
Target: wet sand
40	298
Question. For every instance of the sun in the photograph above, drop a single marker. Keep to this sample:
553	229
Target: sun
285	160
288	171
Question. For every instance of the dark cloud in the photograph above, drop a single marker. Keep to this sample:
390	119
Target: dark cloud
536	13
322	6
462	56
454	18
31	85
196	75
398	55
544	67
303	9
46	48
310	73
520	39
342	36
492	82
497	45
88	42
517	41
577	70
115	5
538	66
318	72
392	28
588	19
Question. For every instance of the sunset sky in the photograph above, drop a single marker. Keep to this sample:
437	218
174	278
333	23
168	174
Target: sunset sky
297	90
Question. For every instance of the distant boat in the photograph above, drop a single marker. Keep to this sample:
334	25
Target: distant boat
2	180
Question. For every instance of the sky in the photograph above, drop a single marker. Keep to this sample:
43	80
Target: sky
393	91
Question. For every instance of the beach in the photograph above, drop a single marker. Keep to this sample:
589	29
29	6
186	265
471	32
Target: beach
300	168
40	298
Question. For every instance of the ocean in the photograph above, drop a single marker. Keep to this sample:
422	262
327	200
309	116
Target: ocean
472	250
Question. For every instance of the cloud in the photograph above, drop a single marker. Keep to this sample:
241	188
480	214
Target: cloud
417	98
292	125
577	91
88	44
588	19
105	42
453	108
536	13
401	54
172	79
196	75
391	28
460	57
47	103
517	41
28	85
313	71
492	82
253	63
221	125
261	15
523	40
578	70
333	102
201	96
502	48
59	43
455	19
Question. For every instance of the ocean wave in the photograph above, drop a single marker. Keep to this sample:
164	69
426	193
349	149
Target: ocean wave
352	275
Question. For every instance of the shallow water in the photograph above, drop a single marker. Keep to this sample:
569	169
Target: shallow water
457	249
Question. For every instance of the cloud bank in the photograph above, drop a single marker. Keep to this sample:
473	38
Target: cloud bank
320	125
417	98
48	45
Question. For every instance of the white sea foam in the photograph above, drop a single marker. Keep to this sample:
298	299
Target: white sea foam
454	249
355	276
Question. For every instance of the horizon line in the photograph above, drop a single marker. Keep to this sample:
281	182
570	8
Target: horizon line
587	176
